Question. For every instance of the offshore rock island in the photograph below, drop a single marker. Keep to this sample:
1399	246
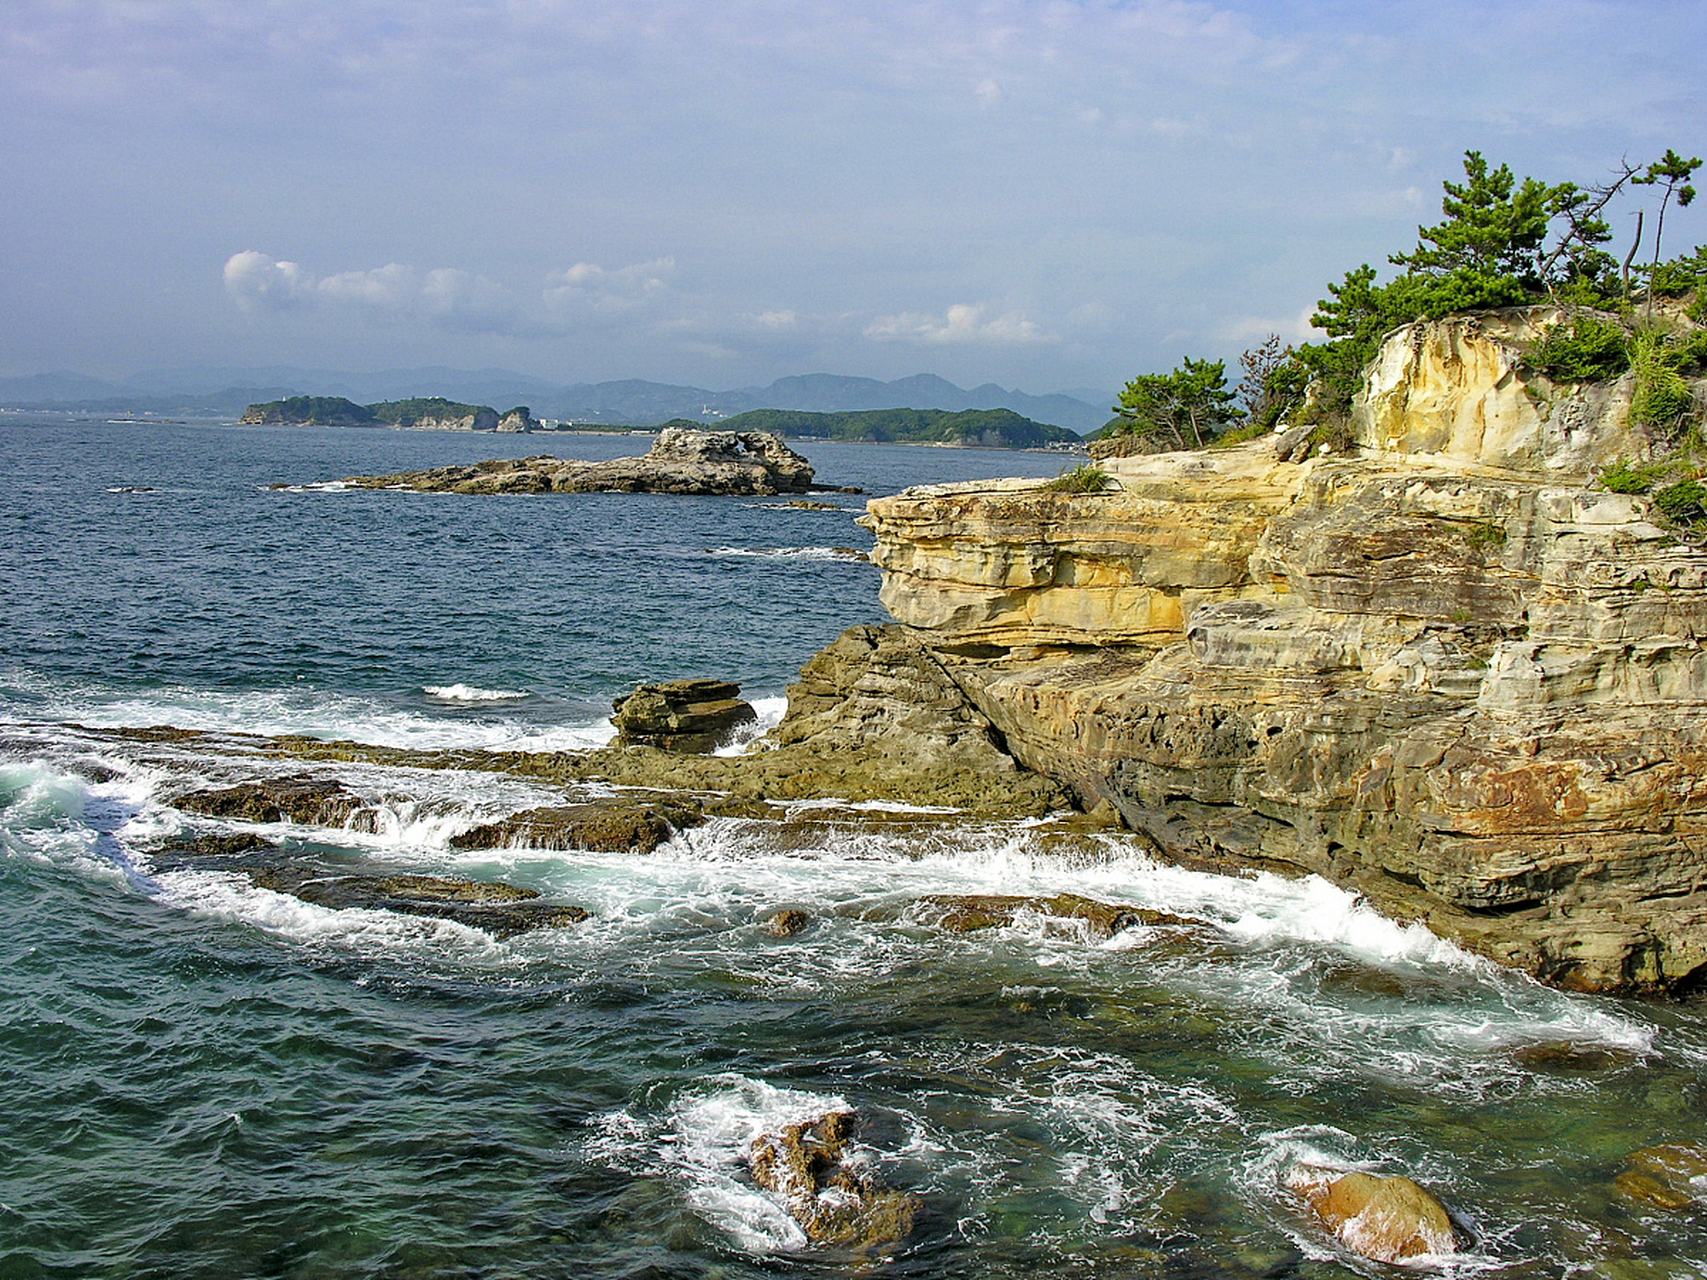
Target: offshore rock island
683	461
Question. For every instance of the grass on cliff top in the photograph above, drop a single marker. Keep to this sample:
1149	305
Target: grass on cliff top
1086	478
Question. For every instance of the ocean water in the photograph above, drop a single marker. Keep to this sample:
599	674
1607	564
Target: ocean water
207	1079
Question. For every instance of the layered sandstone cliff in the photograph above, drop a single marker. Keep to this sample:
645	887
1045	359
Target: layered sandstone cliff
1446	670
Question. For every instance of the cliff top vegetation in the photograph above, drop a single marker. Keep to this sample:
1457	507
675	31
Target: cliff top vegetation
1501	242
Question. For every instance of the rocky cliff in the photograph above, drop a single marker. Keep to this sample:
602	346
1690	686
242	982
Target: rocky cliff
1445	668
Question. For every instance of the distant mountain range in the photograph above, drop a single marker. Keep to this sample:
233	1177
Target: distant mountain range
226	392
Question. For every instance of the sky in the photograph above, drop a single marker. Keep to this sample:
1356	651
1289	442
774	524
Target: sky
1046	194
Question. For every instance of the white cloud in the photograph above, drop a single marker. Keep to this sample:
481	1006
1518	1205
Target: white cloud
445	297
961	323
586	285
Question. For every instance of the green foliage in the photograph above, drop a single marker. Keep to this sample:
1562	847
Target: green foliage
1265	392
1674	172
1624	477
974	428
1680	276
1486	535
1589	349
313	411
1088	478
1486	252
1662	398
1240	434
1183	409
406	413
1683	503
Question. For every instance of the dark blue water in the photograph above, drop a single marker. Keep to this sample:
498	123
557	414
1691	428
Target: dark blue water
203	1078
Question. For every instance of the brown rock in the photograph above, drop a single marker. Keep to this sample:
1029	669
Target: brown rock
966	913
834	1203
610	825
314	802
1387	1219
696	715
786	922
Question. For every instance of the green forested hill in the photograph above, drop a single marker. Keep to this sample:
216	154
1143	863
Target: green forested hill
981	428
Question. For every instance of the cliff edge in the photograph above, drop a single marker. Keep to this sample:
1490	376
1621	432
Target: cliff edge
1443	669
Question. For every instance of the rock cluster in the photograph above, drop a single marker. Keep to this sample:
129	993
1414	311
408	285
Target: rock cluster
835	1202
681	461
681	715
1447	671
625	824
967	913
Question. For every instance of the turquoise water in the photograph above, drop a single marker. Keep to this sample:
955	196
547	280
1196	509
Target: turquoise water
206	1079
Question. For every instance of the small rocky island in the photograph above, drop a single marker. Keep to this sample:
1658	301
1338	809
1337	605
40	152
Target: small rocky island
682	461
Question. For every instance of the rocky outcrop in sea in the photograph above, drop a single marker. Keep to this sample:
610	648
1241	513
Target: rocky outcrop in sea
682	461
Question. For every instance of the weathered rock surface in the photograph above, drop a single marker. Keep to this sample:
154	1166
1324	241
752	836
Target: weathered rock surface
786	923
1446	672
315	802
835	1202
501	910
681	715
967	913
518	419
1387	1219
681	461
605	826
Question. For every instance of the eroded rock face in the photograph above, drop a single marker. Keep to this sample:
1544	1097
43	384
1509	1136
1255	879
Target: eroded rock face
835	1202
1387	1219
1457	679
681	715
680	461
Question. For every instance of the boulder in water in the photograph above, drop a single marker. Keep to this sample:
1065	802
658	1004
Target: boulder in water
807	1165
681	715
786	922
1387	1219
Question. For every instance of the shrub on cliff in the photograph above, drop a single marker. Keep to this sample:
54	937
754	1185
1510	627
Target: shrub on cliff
1183	409
1589	349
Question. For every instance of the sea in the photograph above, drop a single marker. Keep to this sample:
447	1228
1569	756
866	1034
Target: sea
200	1078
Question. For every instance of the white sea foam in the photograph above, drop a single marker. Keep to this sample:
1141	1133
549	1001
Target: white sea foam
769	713
711	1137
850	554
470	693
309	712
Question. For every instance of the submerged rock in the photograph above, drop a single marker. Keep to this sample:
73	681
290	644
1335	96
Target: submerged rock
695	715
1671	1177
313	802
786	922
808	1166
612	825
502	910
682	461
1387	1219
966	913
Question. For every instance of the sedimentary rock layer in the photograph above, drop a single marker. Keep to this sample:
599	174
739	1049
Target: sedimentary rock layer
1446	670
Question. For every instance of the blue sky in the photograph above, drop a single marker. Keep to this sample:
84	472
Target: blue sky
1045	194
